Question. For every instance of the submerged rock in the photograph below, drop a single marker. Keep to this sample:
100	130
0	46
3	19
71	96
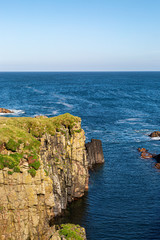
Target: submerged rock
144	153
4	110
94	152
155	134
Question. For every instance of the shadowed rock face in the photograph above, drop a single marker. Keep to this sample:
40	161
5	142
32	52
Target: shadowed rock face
94	152
64	158
157	158
4	110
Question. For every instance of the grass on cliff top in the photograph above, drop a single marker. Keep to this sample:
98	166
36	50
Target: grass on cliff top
27	129
20	135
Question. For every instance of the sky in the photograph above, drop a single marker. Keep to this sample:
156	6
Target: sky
80	35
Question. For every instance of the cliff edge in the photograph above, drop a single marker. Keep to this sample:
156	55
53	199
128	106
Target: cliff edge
43	166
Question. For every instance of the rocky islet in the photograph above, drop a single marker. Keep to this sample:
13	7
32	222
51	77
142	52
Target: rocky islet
147	155
154	134
4	110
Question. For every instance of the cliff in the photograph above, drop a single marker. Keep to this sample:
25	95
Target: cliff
43	166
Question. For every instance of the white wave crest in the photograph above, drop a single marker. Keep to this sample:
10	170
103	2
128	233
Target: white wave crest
155	138
55	112
65	104
14	112
36	90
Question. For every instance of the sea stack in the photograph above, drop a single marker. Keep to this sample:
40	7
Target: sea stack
94	152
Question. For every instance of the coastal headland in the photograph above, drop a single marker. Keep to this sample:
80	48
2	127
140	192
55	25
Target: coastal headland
43	166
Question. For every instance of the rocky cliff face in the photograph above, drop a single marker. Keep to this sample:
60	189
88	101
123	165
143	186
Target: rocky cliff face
64	158
26	204
43	166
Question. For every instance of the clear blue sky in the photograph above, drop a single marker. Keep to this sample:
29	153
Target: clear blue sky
79	35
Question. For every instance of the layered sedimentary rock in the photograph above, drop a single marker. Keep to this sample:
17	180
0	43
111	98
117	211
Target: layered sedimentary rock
94	152
43	166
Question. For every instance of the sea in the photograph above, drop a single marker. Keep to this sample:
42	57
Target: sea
121	109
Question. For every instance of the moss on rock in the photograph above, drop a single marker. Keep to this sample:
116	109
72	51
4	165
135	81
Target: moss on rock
35	165
72	232
10	161
32	171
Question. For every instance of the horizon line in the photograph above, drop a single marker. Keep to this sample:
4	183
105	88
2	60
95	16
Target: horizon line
52	71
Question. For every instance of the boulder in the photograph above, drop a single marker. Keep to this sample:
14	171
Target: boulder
4	110
94	152
155	134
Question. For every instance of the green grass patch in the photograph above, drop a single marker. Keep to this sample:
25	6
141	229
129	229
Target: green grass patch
71	232
16	169
46	172
35	164
32	171
78	131
1	208
10	161
12	145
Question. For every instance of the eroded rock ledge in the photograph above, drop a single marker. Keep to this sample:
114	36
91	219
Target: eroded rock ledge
43	166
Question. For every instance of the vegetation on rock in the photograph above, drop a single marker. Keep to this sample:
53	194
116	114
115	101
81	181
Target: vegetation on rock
35	165
10	161
32	171
20	137
71	232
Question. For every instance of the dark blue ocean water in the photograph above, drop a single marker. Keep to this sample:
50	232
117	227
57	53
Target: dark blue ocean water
121	109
